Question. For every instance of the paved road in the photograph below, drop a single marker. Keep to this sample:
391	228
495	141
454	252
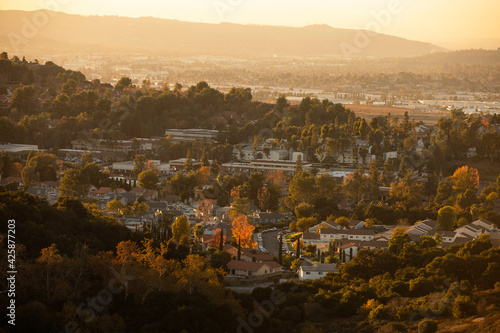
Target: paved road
270	241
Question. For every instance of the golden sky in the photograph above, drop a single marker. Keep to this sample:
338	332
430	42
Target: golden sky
440	21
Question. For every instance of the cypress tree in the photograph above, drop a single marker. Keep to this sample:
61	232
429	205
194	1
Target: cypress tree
350	254
221	243
239	248
280	249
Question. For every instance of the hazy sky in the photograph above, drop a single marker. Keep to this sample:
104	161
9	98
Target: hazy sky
440	21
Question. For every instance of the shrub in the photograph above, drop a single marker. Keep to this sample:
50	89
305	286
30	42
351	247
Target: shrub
427	326
463	306
378	313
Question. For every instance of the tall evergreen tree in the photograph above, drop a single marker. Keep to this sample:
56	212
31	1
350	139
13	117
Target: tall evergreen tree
239	248
280	249
221	243
188	164
204	158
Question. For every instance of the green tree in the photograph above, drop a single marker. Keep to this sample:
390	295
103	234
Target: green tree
124	82
343	222
87	158
305	223
188	164
198	232
115	206
204	158
6	165
73	184
447	218
139	164
240	206
180	228
356	187
398	239
215	167
304	210
148	179
30	176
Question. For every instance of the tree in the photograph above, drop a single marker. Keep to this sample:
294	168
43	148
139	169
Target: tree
139	164
180	228
148	179
343	222
269	196
240	206
204	158
140	208
356	186
6	165
198	232
447	218
216	238
304	210
188	164
465	178
124	82
239	249
44	165
30	177
302	189
221	240
215	167
280	250
398	239
115	206
298	164
305	223
298	247
243	230
73	184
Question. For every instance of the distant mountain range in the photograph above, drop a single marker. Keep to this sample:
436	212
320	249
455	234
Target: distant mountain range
60	32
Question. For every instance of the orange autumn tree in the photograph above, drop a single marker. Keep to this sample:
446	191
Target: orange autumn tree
465	178
215	241
242	230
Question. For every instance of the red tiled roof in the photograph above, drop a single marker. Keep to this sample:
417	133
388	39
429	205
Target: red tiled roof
245	265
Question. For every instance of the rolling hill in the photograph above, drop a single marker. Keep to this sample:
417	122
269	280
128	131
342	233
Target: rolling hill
60	32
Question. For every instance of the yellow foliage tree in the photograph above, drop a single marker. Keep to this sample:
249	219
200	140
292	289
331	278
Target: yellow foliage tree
242	230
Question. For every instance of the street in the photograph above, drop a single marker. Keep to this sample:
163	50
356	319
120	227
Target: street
270	241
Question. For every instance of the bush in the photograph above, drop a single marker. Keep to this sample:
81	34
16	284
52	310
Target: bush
463	306
427	326
378	313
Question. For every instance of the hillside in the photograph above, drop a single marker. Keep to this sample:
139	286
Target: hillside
76	33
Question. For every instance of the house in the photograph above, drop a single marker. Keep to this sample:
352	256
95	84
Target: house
17	180
317	271
356	224
247	269
250	255
149	195
51	194
102	193
425	227
348	251
326	224
311	238
267	218
327	235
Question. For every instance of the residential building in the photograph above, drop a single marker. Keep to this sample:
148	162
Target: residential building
247	269
317	271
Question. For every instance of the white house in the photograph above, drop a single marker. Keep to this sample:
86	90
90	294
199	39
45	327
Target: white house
317	271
